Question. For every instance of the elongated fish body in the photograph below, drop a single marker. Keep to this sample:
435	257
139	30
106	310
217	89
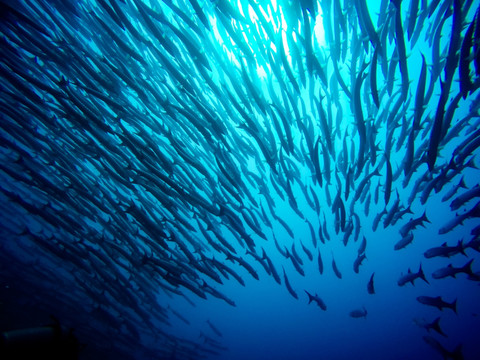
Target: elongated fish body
465	197
451	271
359	313
388	182
272	267
446	251
362	247
358	261
403	242
459	219
466	84
454	190
317	300
450	66
411	277
437	302
214	329
412	224
289	287
335	269
320	262
401	50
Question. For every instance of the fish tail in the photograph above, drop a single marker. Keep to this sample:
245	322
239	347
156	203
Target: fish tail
436	326
457	352
467	269
310	298
453	306
421	274
424	217
462	247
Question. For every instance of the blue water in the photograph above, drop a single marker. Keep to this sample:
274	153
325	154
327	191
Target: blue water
128	132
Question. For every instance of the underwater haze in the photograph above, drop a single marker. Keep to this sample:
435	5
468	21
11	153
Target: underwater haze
245	179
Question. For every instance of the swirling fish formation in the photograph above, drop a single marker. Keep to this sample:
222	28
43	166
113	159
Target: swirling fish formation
163	147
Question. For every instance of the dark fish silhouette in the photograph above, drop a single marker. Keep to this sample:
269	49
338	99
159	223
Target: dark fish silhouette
456	354
446	251
157	147
437	302
335	269
451	271
317	299
370	285
359	313
411	277
434	325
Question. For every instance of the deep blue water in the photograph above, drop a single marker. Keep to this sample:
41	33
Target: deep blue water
146	145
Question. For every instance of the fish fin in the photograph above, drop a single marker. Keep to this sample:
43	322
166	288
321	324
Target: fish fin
467	269
457	354
422	275
310	297
435	325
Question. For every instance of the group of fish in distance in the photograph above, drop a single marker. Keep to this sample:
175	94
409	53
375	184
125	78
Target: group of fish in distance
170	146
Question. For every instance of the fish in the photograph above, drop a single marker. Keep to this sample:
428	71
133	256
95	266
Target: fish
437	302
403	242
446	251
338	274
476	46
466	84
359	120
373	79
401	50
320	263
454	190
434	325
413	223
273	271
214	329
411	277
306	251
358	261
359	313
455	354
450	65
362	247
370	285
289	287
474	212
316	299
451	271
388	182
462	199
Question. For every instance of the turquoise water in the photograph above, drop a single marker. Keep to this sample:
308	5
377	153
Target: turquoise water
159	157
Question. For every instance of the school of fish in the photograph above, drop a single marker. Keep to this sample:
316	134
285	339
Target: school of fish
163	147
